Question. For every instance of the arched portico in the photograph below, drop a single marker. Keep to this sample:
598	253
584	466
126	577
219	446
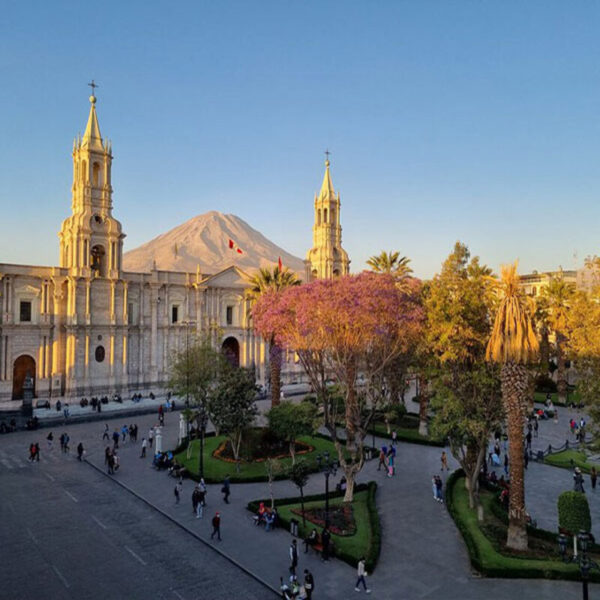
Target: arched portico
231	350
23	366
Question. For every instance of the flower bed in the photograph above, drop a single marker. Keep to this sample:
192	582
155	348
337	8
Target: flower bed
341	518
224	452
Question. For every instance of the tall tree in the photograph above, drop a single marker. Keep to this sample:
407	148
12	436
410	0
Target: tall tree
392	264
467	399
264	281
513	344
339	328
232	405
193	372
289	421
558	295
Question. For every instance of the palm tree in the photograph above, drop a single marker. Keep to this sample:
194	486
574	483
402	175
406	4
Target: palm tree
558	295
264	281
513	344
392	263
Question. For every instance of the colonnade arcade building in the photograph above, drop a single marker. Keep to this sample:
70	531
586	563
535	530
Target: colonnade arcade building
88	328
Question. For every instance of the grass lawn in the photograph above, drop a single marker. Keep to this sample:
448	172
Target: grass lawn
215	469
568	459
540	397
364	542
485	542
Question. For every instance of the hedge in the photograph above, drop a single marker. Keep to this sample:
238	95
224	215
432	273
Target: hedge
486	559
372	554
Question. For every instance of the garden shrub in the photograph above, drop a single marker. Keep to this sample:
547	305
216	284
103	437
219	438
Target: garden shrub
574	513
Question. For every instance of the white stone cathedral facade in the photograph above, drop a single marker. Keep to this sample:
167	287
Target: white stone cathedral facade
88	328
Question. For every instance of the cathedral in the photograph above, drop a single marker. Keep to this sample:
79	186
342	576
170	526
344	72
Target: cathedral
88	328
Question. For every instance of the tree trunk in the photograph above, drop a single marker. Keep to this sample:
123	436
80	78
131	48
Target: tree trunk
293	451
544	350
514	387
275	373
423	406
561	380
349	495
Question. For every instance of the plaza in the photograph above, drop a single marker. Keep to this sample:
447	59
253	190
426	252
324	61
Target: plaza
84	534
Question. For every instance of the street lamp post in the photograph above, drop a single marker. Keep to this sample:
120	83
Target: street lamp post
328	468
203	421
582	559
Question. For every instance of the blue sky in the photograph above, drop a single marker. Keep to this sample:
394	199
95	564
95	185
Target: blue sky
446	120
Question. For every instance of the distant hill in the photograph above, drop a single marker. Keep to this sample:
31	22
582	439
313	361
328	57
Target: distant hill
204	241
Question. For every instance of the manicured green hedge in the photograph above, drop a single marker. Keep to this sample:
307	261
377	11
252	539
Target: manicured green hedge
374	548
574	512
485	558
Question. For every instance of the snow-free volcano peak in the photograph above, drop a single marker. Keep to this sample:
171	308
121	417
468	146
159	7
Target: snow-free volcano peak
205	240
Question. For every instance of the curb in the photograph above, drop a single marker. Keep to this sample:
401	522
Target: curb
188	530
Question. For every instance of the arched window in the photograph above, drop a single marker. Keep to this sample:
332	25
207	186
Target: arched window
324	215
83	171
98	260
319	216
96	174
333	216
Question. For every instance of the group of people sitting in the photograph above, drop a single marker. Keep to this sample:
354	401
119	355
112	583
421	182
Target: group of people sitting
266	516
163	460
12	425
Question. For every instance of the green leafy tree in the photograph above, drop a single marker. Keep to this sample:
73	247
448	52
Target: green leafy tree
392	264
263	282
558	295
232	405
289	421
467	400
299	473
193	373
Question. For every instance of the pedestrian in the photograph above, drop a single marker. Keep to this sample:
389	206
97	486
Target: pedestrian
362	573
116	461
177	491
578	481
381	459
110	461
50	440
528	439
115	437
394	437
195	501
37	452
325	539
593	477
144	446
216	523
31	452
525	458
150	436
506	464
80	451
439	484
67	440
309	584
536	426
390	465
201	494
124	432
226	489
293	559
203	491
444	460
105	435
62	442
434	487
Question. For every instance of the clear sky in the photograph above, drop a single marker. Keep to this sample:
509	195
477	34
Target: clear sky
446	120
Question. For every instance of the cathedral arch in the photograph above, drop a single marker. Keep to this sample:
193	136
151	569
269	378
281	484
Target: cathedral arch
83	171
96	173
22	367
324	215
98	262
231	350
319	216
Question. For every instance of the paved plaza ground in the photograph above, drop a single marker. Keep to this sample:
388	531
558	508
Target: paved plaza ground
71	531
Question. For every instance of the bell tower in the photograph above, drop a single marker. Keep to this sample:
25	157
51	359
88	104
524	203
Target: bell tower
327	259
91	239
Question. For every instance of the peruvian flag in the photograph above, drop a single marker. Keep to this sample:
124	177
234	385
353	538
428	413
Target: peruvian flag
234	246
280	264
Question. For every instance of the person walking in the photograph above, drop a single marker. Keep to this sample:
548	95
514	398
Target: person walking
528	439
226	489
216	523
293	559
201	493
381	460
309	584
177	492
525	458
31	452
144	446
50	440
124	432
438	489
115	437
578	481
195	501
593	477
444	461
506	464
105	435
110	461
536	426
394	437
150	436
362	573
80	451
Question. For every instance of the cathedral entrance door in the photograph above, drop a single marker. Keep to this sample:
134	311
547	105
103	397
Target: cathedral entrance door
231	350
24	365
